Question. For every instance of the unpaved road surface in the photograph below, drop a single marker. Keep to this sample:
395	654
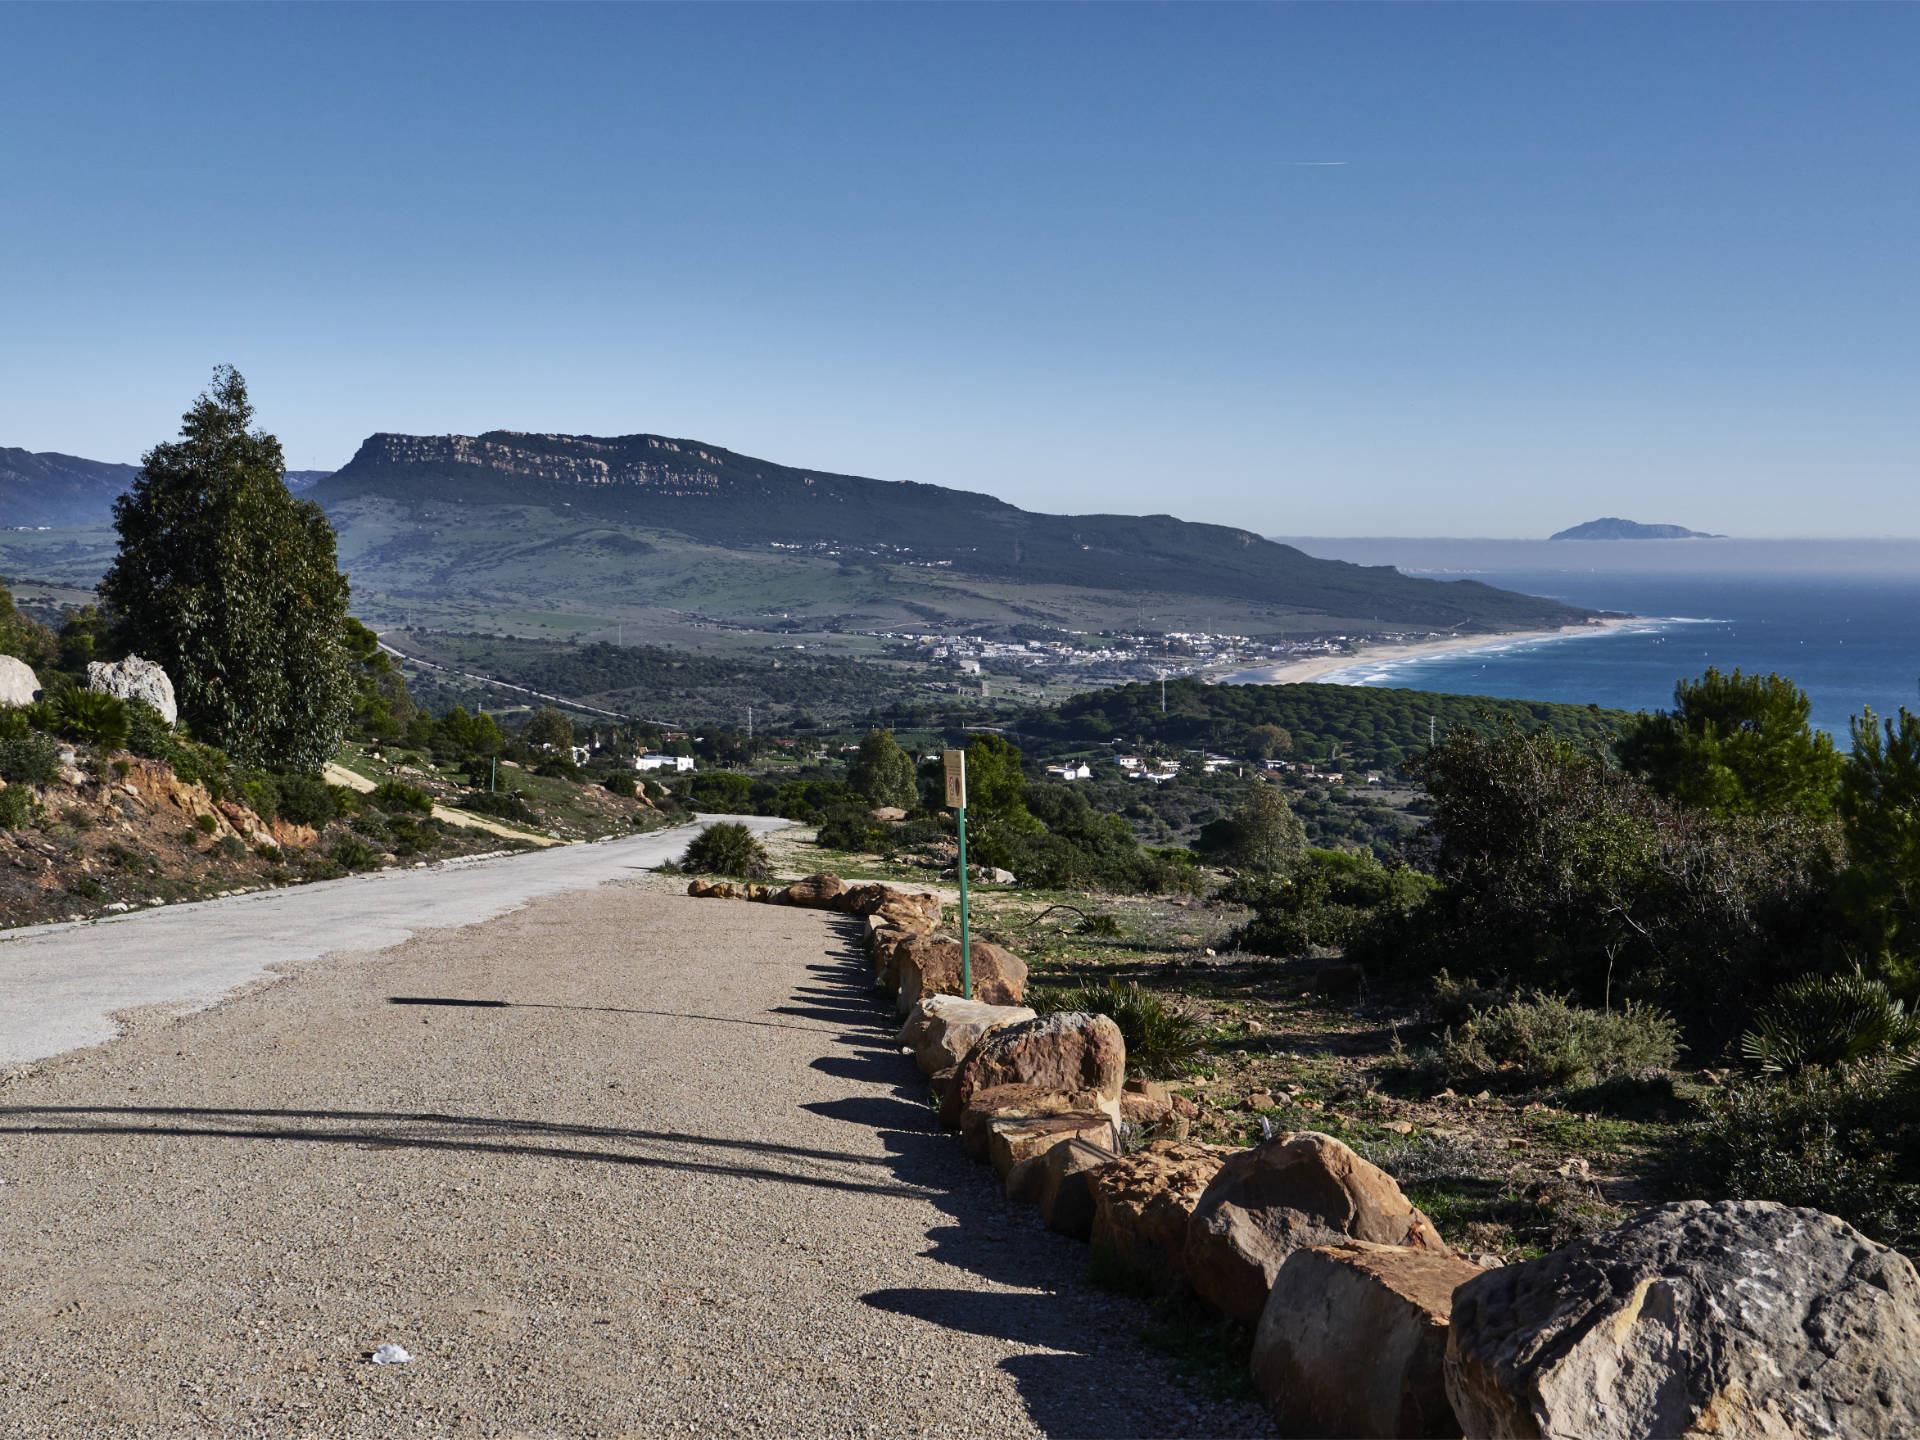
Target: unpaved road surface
60	985
669	1176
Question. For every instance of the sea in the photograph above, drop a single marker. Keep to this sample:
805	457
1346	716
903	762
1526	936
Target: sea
1840	618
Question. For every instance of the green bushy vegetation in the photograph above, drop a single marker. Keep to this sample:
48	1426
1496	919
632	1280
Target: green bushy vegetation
1322	899
1542	1042
728	848
1831	1020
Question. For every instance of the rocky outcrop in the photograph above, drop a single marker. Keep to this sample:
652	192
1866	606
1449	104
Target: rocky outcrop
1353	1341
941	1029
933	967
1013	1139
1288	1193
1065	1052
1143	1203
1745	1319
135	679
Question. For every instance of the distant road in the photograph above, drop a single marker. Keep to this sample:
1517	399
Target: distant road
60	984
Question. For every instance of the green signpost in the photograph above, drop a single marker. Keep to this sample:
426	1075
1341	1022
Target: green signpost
956	763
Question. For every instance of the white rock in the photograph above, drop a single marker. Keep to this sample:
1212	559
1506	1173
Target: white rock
18	684
135	679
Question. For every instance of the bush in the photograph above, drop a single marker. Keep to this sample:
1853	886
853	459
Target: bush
848	827
261	793
728	848
306	800
92	717
621	784
28	758
1455	1001
232	847
398	797
1830	1020
350	852
1321	900
1543	1041
1161	1040
205	824
16	808
1843	1140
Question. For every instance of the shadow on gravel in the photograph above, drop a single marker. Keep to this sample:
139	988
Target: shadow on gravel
991	1238
385	1130
463	1004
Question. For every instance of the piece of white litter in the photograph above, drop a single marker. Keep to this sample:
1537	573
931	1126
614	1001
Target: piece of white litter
390	1355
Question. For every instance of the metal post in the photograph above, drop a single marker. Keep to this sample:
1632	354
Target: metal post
493	781
966	943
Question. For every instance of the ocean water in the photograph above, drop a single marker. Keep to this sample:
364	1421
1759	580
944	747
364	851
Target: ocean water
1841	620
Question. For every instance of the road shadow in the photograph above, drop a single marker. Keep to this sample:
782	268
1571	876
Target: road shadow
1082	1341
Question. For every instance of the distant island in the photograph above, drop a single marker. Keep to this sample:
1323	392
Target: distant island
1614	528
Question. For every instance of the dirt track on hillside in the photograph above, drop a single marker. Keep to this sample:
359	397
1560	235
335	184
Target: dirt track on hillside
675	1178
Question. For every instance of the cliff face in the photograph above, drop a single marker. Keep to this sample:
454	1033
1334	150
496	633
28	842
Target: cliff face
649	460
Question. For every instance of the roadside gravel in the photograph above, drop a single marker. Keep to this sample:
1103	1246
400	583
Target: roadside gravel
678	1182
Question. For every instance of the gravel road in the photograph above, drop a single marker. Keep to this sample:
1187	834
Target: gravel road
60	985
669	1176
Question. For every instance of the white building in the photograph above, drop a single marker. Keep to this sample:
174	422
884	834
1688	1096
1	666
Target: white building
663	762
1078	771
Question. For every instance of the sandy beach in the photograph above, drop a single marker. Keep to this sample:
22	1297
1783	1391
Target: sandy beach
1315	667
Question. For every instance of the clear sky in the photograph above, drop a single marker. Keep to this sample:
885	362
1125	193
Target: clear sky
1309	270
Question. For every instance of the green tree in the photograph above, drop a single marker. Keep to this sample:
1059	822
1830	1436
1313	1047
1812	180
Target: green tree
1880	816
882	771
23	637
1266	741
1268	834
546	728
996	786
1736	745
230	583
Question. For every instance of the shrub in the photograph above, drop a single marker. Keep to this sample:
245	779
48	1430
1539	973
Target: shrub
1544	1041
205	824
501	804
148	734
848	827
1455	1001
92	717
1842	1139
350	852
397	797
1830	1020
262	794
16	808
346	799
1321	899
28	758
232	847
1162	1041
728	848
620	783
306	800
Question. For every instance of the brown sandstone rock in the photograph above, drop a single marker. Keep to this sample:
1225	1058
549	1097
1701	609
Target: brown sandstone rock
941	1029
815	892
1353	1341
1145	1103
886	813
1142	1202
1063	1194
1012	1139
1064	1052
902	915
1743	1319
932	967
1024	1102
1290	1192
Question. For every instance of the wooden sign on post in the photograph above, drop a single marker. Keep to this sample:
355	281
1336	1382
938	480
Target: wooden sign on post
956	762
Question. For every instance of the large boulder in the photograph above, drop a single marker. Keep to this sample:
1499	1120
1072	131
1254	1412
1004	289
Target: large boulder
18	684
1287	1193
1143	1202
1353	1341
941	1029
815	892
1068	1051
1743	1318
888	947
872	897
135	679
932	967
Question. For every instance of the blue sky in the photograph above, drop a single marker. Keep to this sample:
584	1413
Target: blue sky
1634	260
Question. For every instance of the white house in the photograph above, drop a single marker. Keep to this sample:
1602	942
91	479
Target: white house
663	762
1071	771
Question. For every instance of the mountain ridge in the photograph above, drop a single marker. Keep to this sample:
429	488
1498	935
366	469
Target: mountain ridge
719	497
